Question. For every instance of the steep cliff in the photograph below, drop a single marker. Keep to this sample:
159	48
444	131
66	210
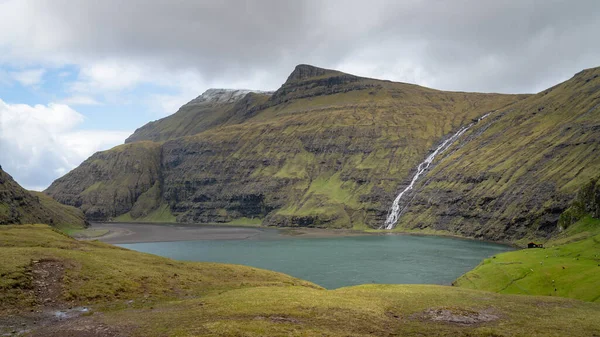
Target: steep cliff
19	206
512	175
326	149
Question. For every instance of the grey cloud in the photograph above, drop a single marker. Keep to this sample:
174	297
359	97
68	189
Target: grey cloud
506	46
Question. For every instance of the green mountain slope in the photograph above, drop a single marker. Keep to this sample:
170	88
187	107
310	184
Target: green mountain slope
213	108
19	206
326	149
48	277
125	179
512	175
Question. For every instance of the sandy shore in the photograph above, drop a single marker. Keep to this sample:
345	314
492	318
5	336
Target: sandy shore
117	233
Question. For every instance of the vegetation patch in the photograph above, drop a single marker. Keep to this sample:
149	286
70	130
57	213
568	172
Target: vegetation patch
146	295
568	266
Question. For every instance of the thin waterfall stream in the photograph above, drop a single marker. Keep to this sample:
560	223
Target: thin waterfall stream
395	211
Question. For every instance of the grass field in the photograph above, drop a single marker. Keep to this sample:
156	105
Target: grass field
568	266
131	293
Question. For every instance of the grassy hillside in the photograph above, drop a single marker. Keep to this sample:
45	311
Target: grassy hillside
568	266
512	175
327	149
46	276
125	179
18	206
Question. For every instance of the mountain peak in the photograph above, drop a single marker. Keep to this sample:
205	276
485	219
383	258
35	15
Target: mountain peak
304	71
219	95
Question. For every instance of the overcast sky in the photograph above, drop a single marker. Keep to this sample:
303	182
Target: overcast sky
79	76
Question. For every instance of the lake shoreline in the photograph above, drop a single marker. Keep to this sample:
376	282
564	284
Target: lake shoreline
124	232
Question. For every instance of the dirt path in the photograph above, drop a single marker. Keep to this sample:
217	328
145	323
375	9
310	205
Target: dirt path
50	315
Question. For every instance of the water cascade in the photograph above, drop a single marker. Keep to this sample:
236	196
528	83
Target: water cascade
395	212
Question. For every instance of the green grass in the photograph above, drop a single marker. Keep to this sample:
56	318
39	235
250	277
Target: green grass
146	295
87	233
162	214
569	266
100	273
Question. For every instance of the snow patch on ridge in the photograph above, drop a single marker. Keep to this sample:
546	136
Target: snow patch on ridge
224	95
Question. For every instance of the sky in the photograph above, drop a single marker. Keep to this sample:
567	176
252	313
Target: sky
78	77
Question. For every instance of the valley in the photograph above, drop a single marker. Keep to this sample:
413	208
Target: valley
320	179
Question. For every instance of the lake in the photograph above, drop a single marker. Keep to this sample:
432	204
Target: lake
334	262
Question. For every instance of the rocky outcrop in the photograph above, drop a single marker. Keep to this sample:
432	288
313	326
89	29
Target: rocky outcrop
586	203
19	206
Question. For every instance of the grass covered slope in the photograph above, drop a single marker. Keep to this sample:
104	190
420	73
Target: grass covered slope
213	108
327	149
94	272
145	295
512	175
569	266
127	178
18	206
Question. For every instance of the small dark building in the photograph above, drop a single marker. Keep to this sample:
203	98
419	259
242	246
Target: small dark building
535	245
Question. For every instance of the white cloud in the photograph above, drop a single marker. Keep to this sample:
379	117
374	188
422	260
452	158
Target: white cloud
30	77
39	143
108	76
80	100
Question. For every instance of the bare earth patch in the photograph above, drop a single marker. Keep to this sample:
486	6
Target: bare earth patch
47	282
79	327
51	315
458	316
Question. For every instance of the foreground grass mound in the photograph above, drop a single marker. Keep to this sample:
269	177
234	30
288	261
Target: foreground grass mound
46	278
94	272
569	266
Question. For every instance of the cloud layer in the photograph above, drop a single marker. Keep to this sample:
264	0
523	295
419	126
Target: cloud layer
508	46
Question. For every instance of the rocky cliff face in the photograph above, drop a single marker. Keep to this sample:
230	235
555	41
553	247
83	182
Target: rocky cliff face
327	149
19	206
513	174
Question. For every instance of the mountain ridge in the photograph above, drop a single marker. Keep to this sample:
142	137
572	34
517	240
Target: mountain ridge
320	151
327	149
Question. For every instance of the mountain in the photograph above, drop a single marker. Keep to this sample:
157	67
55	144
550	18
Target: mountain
19	206
326	149
513	174
213	108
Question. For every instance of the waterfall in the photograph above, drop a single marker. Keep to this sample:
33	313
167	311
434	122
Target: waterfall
395	212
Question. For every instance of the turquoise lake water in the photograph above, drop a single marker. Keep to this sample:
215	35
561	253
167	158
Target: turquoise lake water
340	261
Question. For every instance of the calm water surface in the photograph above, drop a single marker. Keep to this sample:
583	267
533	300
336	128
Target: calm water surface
340	261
